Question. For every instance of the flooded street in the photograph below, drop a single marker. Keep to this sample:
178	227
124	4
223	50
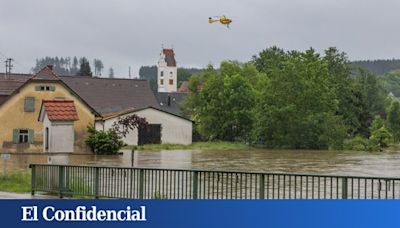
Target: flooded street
286	161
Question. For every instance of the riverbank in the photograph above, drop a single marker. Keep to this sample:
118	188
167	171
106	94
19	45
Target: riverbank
193	146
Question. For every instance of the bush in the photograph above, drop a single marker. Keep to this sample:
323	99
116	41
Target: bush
357	143
380	138
103	142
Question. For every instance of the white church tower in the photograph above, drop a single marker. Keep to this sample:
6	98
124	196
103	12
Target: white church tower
167	75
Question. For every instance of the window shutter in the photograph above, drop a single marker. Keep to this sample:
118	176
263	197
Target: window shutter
52	88
37	88
29	105
31	136
15	135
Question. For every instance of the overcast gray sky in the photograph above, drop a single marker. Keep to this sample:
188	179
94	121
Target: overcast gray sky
126	33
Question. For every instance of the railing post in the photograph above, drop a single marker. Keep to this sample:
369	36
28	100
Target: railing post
131	184
61	180
344	187
96	182
141	183
195	184
262	186
33	179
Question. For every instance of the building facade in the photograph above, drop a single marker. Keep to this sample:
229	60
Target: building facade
58	118
167	73
20	129
170	128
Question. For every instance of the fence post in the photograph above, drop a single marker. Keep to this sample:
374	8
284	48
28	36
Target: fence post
195	184
96	183
131	184
61	180
141	183
262	186
344	187
33	179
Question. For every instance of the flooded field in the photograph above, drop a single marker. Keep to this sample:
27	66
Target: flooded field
287	161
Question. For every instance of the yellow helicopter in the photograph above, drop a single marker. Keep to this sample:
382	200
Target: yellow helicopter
223	20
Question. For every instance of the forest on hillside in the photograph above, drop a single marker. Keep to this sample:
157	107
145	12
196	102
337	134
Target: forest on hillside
379	67
150	73
68	66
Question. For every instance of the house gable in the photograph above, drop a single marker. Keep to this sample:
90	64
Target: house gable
14	115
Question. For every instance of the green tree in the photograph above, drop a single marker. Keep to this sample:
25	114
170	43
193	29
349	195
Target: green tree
111	73
393	120
297	105
380	138
339	70
98	67
84	69
222	107
377	123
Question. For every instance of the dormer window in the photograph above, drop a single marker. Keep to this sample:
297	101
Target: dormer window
162	73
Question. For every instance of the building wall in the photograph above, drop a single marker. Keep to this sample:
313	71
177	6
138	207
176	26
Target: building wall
169	73
61	136
174	130
12	116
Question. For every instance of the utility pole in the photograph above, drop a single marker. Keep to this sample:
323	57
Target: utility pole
9	67
129	72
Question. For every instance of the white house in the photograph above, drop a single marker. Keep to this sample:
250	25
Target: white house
58	117
163	127
167	73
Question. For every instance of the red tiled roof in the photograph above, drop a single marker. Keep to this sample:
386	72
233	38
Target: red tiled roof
60	110
184	88
169	57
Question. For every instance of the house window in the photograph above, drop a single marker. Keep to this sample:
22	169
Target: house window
162	73
45	88
161	81
23	136
171	81
29	104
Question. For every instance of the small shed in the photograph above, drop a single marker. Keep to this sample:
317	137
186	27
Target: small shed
164	127
58	117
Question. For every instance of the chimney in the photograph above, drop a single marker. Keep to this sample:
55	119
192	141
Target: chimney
50	67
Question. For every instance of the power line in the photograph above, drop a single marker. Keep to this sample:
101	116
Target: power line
15	61
9	67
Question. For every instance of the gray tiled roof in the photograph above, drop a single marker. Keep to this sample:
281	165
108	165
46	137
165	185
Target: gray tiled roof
8	85
105	95
172	106
112	95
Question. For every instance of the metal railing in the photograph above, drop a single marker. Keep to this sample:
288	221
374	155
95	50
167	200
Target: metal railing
153	183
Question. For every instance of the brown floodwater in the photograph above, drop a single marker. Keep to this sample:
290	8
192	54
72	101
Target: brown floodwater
287	161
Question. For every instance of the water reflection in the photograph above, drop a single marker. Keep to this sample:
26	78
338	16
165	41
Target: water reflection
292	161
